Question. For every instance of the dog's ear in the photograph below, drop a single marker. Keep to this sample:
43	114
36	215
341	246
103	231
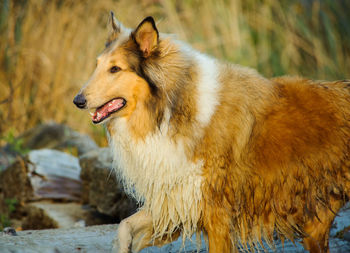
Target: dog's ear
115	30
114	23
146	36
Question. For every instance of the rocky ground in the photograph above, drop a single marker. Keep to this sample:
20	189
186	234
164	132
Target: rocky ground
99	239
65	180
65	183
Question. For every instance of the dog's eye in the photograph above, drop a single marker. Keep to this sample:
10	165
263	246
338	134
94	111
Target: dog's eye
114	69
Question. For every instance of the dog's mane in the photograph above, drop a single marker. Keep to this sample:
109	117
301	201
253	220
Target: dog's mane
171	194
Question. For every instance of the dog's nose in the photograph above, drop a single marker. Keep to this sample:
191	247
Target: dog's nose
80	100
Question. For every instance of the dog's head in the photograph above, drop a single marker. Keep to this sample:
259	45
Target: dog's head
119	83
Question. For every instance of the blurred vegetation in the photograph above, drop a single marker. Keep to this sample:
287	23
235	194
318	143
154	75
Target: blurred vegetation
48	48
15	144
5	220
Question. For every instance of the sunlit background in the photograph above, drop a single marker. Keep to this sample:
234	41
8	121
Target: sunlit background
48	48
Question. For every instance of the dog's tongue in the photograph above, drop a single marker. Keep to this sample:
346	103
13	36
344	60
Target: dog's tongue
105	110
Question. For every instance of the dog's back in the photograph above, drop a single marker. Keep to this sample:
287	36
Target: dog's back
292	174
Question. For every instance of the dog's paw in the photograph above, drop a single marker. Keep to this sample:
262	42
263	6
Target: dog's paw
123	240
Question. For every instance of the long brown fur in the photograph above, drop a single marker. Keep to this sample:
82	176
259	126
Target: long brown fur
239	160
292	173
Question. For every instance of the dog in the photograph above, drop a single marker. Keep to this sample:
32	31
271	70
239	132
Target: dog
213	147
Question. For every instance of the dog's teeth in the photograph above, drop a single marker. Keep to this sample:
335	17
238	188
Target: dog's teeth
110	104
91	113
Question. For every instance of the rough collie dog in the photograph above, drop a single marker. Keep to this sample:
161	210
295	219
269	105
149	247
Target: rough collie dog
215	147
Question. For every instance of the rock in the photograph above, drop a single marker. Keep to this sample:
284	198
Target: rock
97	159
43	177
7	157
346	234
42	174
15	184
90	239
50	135
341	221
49	214
9	231
56	136
99	239
54	175
101	187
341	224
37	218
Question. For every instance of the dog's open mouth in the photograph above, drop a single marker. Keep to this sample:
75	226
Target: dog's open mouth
104	111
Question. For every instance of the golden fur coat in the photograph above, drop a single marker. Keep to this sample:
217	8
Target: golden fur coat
215	147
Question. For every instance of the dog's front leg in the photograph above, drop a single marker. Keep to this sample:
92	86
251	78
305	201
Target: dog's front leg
135	233
123	240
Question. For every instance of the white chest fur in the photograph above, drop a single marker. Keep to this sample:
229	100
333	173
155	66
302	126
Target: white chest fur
157	172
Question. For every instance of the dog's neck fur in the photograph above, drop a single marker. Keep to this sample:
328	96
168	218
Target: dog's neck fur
156	172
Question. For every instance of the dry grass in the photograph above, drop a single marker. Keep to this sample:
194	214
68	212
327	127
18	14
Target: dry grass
48	48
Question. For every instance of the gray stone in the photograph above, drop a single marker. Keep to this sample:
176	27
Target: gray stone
99	239
7	157
341	221
9	231
15	184
55	214
101	188
41	175
90	239
36	218
346	236
56	136
54	175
